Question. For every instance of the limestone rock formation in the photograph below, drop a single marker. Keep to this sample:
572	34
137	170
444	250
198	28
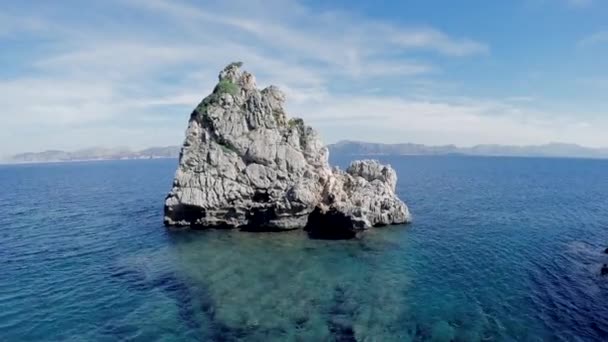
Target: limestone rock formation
245	164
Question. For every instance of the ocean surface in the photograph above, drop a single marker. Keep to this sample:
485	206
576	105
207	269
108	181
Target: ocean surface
501	249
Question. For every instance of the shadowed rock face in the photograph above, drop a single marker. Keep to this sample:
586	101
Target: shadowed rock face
245	165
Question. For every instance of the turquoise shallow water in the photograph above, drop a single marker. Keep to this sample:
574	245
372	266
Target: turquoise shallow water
501	249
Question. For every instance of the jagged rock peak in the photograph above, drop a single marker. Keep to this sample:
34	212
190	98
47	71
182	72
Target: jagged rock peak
244	164
232	73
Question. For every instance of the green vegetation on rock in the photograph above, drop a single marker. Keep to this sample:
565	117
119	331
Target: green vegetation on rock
278	116
202	107
227	146
296	122
235	64
225	86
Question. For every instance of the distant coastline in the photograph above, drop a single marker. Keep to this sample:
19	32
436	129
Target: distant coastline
92	154
552	150
345	147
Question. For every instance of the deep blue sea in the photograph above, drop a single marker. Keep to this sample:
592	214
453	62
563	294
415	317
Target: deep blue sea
501	249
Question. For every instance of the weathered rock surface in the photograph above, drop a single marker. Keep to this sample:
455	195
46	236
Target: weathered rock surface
245	165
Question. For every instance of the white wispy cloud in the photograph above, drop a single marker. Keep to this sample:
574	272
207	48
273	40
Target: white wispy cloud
441	121
571	4
579	3
352	77
436	40
597	38
10	25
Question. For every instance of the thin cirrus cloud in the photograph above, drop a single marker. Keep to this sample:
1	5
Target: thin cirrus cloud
579	3
347	33
597	38
135	81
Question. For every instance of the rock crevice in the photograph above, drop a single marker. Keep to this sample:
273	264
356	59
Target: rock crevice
244	164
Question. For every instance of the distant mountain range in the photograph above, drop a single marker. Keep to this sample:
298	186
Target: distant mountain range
95	153
347	147
547	150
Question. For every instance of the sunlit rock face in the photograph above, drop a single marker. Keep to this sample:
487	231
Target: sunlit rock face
245	164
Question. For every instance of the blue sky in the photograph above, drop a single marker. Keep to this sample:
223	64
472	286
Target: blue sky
128	72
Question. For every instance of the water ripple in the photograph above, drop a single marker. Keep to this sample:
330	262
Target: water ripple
501	249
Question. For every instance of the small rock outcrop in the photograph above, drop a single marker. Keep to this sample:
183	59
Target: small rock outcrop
245	164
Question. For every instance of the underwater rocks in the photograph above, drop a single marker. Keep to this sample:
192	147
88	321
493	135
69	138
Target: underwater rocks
244	164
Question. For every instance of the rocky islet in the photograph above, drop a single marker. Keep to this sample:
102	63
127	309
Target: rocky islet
245	164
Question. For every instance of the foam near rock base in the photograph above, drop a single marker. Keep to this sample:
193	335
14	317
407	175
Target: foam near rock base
244	164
